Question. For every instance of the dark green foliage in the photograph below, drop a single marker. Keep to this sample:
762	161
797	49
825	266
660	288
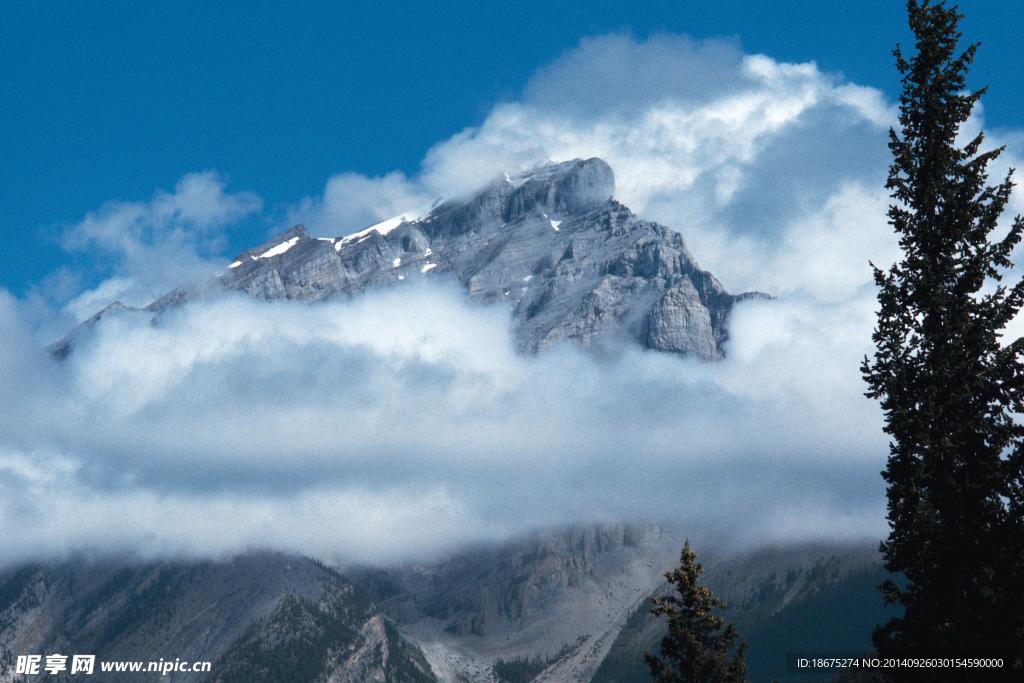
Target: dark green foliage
13	586
624	662
525	669
699	644
405	663
151	604
948	386
519	669
293	646
836	619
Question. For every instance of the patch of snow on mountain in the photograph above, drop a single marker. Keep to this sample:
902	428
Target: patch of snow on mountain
383	228
354	238
280	248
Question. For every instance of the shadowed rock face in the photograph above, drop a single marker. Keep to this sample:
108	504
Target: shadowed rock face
262	617
570	262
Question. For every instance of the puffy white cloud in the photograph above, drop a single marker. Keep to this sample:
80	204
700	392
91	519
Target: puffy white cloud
198	204
616	73
148	247
351	201
87	303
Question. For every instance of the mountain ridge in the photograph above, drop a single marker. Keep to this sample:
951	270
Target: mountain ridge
573	600
552	244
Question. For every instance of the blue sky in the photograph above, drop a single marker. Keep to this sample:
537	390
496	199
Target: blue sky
113	100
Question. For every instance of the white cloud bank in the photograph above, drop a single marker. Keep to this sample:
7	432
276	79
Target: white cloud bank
403	423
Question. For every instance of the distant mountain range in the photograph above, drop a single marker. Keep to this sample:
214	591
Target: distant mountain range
563	605
551	244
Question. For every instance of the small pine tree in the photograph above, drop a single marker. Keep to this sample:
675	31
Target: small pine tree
699	643
950	389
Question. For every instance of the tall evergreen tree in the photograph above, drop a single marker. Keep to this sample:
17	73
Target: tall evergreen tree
698	647
950	387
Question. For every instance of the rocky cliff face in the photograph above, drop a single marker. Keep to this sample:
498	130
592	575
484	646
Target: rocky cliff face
570	262
554	598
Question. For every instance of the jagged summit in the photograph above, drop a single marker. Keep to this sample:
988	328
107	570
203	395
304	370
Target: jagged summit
557	190
551	243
